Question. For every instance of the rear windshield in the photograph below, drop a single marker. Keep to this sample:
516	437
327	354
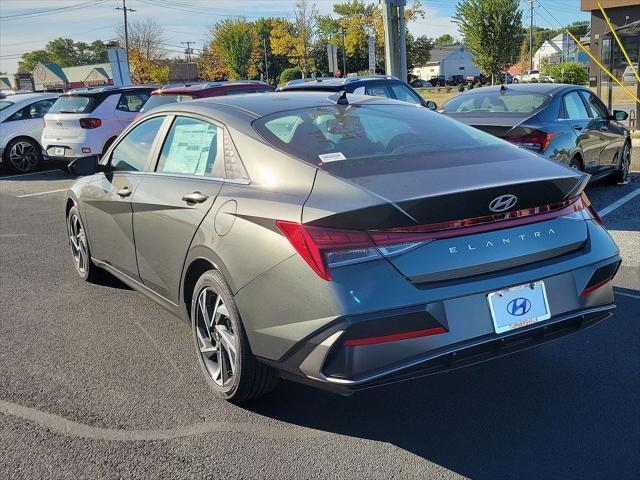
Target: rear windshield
74	104
496	102
157	100
328	134
4	104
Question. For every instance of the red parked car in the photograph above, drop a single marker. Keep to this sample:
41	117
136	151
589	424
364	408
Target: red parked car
182	93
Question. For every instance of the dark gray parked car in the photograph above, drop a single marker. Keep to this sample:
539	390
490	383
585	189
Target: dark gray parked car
346	241
567	123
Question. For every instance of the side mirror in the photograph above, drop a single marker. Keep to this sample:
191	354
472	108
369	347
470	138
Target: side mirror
431	105
620	115
84	165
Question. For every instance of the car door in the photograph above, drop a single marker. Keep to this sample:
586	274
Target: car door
33	117
611	134
172	201
129	104
107	201
574	112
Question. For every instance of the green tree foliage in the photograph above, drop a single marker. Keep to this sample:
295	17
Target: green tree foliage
568	72
492	31
66	53
419	51
234	42
289	74
296	39
445	40
277	63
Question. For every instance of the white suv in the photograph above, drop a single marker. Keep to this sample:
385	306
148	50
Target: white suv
86	122
21	126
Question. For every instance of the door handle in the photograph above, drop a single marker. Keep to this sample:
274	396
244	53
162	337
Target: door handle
576	127
124	192
195	197
604	128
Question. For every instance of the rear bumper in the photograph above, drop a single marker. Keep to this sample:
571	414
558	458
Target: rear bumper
444	359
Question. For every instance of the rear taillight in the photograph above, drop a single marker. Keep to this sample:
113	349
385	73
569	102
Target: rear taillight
590	209
537	142
323	248
90	122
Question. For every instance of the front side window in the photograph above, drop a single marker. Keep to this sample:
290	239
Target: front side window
4	104
132	102
574	108
598	110
403	93
131	154
157	100
192	148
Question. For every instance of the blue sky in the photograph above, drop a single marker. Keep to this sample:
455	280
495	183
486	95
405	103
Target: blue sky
188	20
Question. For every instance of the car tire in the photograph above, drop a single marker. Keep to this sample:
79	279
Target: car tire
80	252
221	344
22	155
575	164
622	172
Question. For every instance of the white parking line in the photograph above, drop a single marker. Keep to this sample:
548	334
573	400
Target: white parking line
43	193
33	173
637	297
618	203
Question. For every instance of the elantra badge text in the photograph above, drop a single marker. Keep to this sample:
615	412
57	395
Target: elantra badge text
504	240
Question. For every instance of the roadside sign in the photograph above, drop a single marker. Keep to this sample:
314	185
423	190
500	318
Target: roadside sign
332	56
372	54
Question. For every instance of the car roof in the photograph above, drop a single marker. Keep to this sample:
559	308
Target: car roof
109	90
210	86
20	98
332	83
549	88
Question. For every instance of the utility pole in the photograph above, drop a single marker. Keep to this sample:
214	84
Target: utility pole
531	34
395	49
266	64
126	27
188	51
344	54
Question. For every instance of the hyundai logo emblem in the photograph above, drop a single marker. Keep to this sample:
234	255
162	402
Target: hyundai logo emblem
502	203
518	306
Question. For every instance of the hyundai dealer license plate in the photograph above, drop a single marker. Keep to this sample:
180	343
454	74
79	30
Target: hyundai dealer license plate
59	151
519	306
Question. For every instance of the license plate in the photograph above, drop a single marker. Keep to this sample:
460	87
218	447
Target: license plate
59	151
517	307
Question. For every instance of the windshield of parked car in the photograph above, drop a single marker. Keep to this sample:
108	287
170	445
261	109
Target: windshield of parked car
157	100
73	104
4	104
496	101
337	133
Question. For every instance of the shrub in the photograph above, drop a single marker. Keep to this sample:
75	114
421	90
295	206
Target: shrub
470	87
290	74
568	72
478	84
461	87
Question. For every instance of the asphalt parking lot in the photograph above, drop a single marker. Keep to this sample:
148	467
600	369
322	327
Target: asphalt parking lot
97	381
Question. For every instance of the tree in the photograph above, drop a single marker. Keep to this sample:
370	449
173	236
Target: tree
29	60
234	41
66	53
276	63
210	66
296	39
419	51
492	31
146	37
144	70
568	72
445	40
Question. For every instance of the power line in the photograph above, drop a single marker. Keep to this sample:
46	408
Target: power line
53	11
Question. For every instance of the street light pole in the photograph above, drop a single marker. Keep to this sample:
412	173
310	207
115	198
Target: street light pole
344	54
531	35
266	64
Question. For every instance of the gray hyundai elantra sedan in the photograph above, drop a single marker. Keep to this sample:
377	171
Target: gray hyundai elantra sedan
341	240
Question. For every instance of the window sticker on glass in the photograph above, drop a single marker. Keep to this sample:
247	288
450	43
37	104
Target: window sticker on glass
331	157
189	152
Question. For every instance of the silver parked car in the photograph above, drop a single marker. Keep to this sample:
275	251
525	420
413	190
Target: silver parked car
342	240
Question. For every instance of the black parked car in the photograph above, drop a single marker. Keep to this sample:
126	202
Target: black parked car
567	123
376	85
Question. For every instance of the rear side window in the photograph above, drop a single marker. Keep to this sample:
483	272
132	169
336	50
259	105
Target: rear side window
378	91
35	110
157	100
130	155
74	104
4	104
574	108
496	101
192	148
132	102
